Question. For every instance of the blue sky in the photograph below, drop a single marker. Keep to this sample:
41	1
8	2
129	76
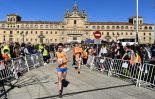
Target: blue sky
97	10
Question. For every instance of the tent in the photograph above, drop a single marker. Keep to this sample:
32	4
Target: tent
89	41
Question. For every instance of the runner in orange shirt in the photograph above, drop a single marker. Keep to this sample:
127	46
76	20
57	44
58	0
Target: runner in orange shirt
78	57
75	47
62	60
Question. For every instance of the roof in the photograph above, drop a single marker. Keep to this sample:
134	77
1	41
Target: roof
13	14
39	22
109	23
135	17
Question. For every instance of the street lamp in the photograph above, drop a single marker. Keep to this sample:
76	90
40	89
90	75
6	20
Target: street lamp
41	36
23	35
116	36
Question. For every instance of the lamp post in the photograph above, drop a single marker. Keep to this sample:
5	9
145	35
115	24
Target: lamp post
116	36
41	36
23	36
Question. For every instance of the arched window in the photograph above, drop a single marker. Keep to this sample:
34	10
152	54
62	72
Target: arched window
3	25
113	27
145	28
31	26
108	27
140	21
41	26
98	27
131	28
117	27
126	27
94	27
27	26
102	27
122	27
22	26
150	28
11	19
14	19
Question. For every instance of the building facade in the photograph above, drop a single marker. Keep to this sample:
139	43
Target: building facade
75	27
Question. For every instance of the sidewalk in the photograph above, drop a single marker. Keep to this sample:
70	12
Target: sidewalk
40	84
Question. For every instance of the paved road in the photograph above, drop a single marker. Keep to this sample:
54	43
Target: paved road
40	84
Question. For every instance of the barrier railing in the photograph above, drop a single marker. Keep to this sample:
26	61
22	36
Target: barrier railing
147	75
141	74
12	67
6	70
15	67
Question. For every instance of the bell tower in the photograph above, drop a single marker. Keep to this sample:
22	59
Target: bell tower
13	18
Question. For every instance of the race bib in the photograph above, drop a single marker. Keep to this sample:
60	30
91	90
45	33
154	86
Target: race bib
60	60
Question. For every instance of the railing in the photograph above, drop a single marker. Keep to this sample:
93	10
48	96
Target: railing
15	67
141	74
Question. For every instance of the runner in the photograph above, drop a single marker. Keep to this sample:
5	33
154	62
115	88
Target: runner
62	60
78	57
75	47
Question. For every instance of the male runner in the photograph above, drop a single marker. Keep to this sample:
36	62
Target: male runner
62	60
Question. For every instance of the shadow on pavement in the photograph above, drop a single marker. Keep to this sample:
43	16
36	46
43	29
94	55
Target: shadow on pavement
86	91
23	83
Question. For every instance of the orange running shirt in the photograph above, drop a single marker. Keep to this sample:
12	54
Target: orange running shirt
78	52
61	58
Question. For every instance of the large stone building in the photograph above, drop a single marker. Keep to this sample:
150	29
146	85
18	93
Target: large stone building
75	27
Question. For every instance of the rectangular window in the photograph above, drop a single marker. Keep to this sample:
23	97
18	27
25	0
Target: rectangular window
10	35
10	39
10	32
107	33
130	33
74	21
74	38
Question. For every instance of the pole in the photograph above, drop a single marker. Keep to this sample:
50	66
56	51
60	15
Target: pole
23	37
137	25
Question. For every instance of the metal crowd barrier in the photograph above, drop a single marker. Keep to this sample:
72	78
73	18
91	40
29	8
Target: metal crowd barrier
126	69
147	75
14	68
19	65
142	74
6	70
